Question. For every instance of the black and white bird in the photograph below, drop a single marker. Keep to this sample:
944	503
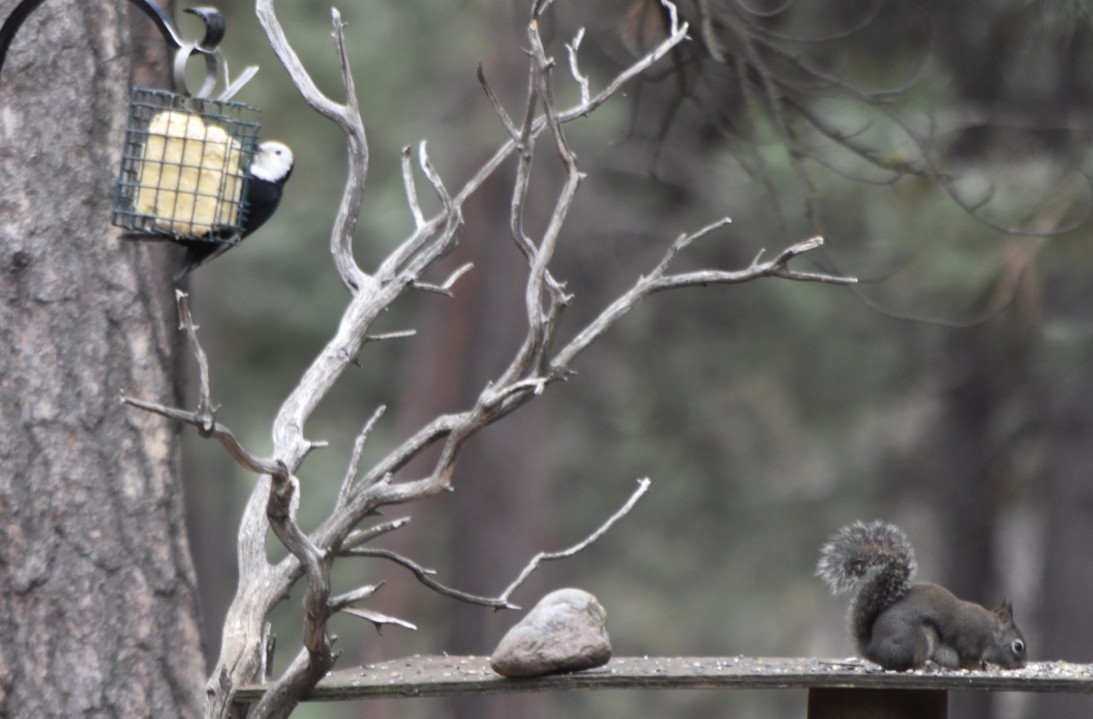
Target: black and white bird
269	171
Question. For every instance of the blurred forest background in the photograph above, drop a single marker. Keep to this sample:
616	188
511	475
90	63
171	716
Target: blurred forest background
950	392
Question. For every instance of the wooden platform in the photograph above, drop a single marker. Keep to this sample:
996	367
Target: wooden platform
430	676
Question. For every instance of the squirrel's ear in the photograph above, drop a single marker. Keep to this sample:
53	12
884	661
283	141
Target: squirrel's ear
1005	612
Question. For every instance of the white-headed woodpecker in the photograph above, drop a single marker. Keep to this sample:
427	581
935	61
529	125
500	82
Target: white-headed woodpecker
269	171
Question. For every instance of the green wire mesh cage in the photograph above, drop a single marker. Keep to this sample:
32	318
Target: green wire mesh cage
184	166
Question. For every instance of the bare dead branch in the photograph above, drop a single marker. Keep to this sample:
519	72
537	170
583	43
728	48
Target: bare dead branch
574	66
524	144
385	336
345	116
296	70
269	642
581	110
659	281
186	324
204	418
503	600
378	619
345	222
539	7
673	17
342	601
301	676
445	288
684	241
411	188
273	503
500	398
358	450
496	103
540	256
643	486
431	240
425	577
208	427
362	536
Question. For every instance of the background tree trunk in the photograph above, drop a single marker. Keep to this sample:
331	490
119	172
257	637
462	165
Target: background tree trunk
983	368
1067	578
98	609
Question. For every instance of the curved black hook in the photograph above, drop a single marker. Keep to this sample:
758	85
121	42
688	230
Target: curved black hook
214	26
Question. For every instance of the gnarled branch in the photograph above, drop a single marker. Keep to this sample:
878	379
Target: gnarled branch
532	369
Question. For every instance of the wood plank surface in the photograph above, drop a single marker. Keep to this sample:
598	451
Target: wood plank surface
421	676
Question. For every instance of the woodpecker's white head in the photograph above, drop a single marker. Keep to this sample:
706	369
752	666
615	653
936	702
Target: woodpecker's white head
272	162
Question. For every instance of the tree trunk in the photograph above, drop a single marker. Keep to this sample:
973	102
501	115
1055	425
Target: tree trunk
98	610
1067	580
986	371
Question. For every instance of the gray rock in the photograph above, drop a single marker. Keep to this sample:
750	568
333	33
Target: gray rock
565	632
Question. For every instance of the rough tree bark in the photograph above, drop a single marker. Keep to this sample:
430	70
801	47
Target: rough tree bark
98	610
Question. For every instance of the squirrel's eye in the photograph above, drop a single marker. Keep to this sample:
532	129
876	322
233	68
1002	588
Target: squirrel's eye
1018	646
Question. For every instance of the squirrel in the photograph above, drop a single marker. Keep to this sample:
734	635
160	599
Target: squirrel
901	625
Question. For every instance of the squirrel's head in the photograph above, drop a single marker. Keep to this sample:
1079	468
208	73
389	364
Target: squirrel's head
1009	648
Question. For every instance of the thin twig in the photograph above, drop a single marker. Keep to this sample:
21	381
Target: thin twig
574	67
342	601
643	485
524	145
186	324
445	288
386	336
424	576
212	430
345	116
496	103
684	241
362	536
378	619
661	282
540	320
345	222
411	188
358	450
503	601
204	418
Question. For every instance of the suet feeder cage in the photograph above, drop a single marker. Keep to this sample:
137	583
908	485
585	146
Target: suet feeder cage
185	161
184	169
184	166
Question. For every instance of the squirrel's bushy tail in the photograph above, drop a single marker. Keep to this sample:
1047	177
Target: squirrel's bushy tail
876	561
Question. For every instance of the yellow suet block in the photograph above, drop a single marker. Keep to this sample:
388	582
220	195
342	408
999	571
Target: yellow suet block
190	176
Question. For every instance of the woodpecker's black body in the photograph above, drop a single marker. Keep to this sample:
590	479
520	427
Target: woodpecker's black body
270	170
